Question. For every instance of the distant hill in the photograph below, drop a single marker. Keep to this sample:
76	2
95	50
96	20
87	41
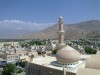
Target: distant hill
9	29
11	34
87	29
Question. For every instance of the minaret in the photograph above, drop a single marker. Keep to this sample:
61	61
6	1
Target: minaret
61	32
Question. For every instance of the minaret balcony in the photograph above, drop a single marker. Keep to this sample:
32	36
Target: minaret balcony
61	32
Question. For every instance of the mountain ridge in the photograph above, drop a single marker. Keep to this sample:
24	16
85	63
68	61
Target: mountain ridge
86	29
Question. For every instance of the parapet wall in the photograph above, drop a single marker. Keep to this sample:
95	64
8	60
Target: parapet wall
34	69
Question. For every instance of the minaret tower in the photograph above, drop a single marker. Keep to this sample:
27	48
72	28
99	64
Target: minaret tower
61	32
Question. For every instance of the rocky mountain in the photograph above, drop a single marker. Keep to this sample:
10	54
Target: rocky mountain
86	29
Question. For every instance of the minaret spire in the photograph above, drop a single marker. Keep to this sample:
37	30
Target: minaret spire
61	32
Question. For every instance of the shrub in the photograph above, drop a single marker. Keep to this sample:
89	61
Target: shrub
22	64
89	50
54	51
8	69
19	71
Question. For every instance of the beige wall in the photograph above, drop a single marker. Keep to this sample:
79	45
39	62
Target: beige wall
93	63
87	71
98	53
95	56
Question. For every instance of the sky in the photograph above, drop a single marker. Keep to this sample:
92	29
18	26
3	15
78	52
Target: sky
44	13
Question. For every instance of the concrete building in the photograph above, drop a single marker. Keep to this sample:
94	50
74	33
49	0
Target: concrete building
10	58
51	45
2	62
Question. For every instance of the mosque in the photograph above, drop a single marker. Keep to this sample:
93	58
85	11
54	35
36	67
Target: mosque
67	60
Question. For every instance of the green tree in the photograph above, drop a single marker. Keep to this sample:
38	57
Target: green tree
19	70
22	64
89	50
8	69
54	51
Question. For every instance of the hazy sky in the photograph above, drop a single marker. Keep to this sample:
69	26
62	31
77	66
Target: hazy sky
48	11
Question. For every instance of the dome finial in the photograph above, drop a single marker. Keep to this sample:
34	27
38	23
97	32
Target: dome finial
60	17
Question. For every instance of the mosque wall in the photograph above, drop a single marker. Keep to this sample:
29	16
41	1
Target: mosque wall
93	63
34	69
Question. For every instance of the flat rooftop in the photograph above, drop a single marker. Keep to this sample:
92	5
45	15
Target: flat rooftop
47	62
